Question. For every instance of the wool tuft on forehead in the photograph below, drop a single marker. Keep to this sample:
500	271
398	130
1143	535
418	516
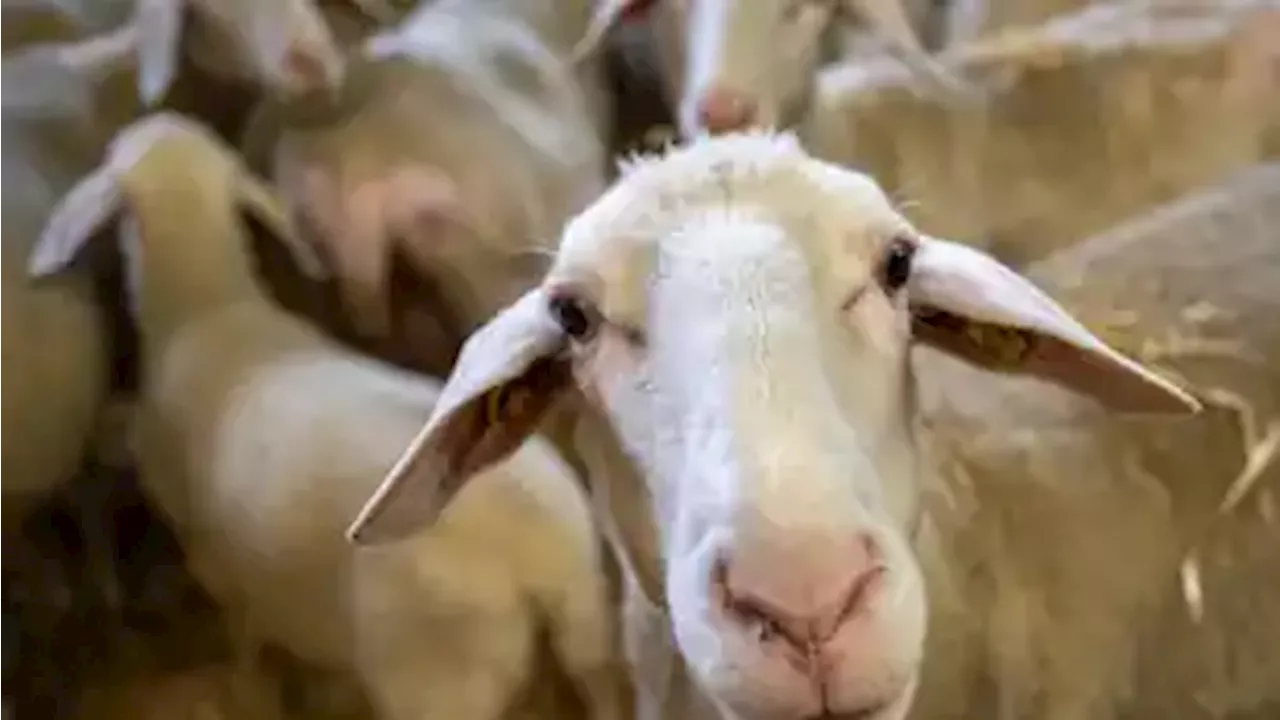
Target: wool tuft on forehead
745	153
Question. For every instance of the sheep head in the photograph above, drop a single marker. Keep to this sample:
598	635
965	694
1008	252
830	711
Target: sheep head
736	64
172	180
743	315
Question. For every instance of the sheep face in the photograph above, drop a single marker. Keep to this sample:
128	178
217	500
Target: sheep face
735	64
731	65
758	378
743	313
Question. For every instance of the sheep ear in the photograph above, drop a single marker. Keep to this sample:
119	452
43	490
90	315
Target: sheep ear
269	208
159	37
81	213
508	375
968	304
606	15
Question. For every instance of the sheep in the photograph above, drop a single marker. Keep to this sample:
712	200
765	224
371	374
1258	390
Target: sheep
462	141
61	103
258	438
1089	119
720	74
741	311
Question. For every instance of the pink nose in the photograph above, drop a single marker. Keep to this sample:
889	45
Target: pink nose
804	593
721	110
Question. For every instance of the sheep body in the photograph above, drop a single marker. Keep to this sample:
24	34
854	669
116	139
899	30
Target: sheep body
258	439
1091	118
1090	619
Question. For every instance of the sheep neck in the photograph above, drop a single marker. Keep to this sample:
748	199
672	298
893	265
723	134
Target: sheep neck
175	283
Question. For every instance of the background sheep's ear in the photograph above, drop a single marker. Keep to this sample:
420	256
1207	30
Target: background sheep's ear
80	214
507	377
159	38
269	208
607	13
890	20
967	303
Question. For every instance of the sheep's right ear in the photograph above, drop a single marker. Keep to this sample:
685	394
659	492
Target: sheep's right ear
159	38
508	375
269	209
606	15
78	216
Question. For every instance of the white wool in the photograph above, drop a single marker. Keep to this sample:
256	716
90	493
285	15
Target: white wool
467	42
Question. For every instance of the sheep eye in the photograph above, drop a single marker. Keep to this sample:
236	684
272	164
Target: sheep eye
896	269
572	316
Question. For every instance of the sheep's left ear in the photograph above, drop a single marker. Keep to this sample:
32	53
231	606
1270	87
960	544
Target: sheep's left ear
965	302
159	28
86	209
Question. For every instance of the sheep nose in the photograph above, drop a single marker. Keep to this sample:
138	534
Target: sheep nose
721	110
803	594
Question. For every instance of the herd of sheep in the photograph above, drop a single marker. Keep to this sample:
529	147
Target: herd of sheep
480	359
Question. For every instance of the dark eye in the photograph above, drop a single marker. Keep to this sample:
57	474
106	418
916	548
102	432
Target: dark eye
897	264
572	316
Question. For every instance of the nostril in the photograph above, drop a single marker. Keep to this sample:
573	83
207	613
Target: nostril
803	598
721	110
767	621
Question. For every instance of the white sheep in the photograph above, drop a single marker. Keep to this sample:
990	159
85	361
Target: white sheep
743	313
733	64
258	439
462	142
